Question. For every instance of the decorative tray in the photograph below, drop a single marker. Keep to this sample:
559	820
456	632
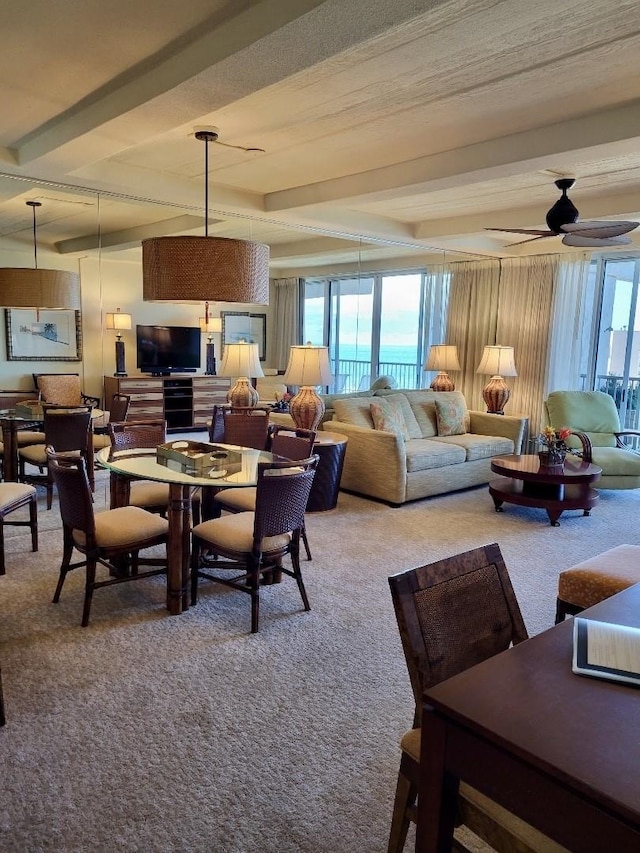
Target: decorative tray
29	409
198	458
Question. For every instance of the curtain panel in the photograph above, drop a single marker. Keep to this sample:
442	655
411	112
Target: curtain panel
286	319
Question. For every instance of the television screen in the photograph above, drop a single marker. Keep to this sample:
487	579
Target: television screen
166	348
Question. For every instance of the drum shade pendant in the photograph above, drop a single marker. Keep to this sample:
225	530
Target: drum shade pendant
21	287
204	269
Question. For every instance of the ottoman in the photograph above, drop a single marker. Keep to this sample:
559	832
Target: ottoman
597	578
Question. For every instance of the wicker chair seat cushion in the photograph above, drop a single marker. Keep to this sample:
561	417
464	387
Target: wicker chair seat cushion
146	493
235	533
100	441
29	436
530	837
600	577
12	492
36	454
123	527
243	500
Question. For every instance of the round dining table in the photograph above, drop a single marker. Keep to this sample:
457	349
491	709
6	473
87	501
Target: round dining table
227	466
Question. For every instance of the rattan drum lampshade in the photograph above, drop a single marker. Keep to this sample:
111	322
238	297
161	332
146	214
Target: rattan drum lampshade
205	269
22	287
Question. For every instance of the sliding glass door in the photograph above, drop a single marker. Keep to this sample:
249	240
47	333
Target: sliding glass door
618	346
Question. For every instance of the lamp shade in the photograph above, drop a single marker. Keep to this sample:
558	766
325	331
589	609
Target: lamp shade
241	359
443	357
210	325
38	288
497	361
118	321
201	269
308	365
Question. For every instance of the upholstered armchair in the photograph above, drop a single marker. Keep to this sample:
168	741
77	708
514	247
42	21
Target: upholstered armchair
594	414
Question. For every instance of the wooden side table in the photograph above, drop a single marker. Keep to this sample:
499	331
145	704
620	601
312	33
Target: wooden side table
331	448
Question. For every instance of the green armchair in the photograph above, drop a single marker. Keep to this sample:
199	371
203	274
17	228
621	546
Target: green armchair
594	416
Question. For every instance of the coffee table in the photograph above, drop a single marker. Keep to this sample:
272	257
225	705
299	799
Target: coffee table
526	483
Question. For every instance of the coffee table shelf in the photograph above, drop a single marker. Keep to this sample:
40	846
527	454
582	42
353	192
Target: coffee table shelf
525	482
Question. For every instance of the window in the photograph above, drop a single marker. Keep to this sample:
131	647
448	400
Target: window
376	325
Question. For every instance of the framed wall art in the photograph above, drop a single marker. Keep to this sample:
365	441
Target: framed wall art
242	326
43	335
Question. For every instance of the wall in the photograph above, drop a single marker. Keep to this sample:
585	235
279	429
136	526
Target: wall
106	284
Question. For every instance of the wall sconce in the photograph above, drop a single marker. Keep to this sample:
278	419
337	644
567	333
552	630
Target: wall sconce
442	357
210	326
119	322
308	366
497	361
242	360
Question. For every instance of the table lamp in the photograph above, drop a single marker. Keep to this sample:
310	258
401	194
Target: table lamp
118	322
442	357
497	361
308	366
241	360
210	325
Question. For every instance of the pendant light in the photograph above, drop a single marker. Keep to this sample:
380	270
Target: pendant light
204	269
21	287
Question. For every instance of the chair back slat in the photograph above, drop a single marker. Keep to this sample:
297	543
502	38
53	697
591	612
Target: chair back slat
74	494
134	434
281	496
453	614
247	428
292	444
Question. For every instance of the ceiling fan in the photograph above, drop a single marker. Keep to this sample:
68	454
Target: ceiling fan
562	219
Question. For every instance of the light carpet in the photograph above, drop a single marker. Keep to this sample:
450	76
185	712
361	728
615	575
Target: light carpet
145	732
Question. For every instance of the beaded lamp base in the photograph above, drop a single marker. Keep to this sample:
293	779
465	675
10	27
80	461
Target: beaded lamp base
243	394
442	382
306	408
496	395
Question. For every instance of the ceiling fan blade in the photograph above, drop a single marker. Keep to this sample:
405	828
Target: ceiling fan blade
537	231
533	239
585	242
600	229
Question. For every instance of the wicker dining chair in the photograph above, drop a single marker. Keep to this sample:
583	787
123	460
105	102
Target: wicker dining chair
246	427
66	430
285	441
14	496
453	614
252	545
118	411
148	494
104	538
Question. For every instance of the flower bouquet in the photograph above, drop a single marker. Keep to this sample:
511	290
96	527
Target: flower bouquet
554	449
281	402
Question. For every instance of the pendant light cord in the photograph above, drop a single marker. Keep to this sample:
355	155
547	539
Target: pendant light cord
33	205
206	187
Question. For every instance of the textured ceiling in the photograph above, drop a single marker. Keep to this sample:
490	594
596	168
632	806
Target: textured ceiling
388	129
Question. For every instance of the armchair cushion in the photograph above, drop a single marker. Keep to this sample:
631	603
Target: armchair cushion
593	412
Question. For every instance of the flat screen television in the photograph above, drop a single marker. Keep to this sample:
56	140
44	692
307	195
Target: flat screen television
168	349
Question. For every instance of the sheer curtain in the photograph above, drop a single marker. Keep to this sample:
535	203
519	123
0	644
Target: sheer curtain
524	319
571	324
286	319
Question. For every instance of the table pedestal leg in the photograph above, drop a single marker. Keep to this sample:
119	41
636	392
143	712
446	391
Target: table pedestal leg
178	548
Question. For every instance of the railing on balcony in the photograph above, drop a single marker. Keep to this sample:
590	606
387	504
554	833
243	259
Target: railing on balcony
353	375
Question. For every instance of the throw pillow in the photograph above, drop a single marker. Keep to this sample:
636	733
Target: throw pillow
450	414
387	416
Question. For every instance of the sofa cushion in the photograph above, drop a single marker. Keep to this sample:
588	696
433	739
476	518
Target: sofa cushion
422	403
413	427
478	446
387	416
354	410
424	453
450	415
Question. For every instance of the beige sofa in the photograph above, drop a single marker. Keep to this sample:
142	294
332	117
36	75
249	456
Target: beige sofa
386	466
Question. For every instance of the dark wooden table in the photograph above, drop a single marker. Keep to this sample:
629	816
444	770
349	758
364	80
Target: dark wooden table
526	483
560	750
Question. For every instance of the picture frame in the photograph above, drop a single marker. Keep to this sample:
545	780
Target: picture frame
43	335
244	326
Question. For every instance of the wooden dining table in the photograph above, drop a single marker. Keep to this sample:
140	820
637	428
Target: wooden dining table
143	464
559	750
